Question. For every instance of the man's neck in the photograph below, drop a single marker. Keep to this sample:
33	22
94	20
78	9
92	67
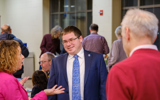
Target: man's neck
119	37
4	32
93	31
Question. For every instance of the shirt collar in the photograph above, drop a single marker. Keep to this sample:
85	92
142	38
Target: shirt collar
80	54
144	47
93	33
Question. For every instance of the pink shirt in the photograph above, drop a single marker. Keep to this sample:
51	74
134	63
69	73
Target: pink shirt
11	89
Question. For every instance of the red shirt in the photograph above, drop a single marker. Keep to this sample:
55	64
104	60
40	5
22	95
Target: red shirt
135	78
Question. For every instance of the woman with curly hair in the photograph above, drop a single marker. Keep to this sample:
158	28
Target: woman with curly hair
11	60
39	81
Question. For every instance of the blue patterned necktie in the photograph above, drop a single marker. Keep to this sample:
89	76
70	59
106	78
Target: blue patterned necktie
76	94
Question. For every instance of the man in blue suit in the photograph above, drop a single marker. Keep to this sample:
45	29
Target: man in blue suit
92	73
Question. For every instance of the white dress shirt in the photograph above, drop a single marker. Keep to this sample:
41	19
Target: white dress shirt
143	47
70	60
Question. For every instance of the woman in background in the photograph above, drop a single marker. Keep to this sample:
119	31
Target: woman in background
51	41
117	53
39	81
11	60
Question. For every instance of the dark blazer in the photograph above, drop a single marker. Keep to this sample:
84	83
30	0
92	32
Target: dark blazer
9	36
94	81
24	50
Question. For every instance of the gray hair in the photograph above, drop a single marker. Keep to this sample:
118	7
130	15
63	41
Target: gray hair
118	31
141	23
50	55
55	30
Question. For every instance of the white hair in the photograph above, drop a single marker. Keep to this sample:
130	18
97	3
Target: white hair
141	23
118	31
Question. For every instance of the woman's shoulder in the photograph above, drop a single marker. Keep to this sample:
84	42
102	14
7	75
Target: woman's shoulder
6	76
47	35
7	79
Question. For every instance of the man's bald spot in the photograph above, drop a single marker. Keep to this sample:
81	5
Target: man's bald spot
44	55
5	28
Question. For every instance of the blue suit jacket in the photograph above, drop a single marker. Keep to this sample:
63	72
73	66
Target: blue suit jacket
94	81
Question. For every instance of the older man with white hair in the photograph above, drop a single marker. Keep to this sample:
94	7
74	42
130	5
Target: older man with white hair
137	77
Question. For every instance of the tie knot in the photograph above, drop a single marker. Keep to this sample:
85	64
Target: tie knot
75	56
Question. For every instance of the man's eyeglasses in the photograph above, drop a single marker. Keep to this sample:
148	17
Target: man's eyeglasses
70	40
41	62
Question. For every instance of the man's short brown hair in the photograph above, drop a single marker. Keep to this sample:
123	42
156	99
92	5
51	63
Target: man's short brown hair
73	29
93	27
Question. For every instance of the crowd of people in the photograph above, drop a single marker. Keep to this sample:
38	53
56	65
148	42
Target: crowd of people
79	72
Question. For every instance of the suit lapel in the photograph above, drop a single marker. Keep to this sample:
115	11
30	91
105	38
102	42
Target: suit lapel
88	60
64	66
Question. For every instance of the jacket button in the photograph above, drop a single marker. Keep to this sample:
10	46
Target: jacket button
66	91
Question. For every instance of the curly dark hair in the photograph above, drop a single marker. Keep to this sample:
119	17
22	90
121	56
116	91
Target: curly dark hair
40	78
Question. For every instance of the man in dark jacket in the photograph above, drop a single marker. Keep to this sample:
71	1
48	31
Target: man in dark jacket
6	35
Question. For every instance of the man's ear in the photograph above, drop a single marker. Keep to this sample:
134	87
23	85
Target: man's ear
127	34
10	30
154	40
90	30
81	38
50	62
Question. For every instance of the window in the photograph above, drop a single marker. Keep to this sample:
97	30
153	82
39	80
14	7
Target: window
128	3
71	12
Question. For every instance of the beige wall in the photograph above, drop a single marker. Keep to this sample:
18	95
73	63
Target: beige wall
26	20
2	12
110	19
46	14
104	22
116	17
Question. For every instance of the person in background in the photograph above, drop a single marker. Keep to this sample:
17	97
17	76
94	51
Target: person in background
137	77
11	60
82	73
117	53
6	35
45	62
95	42
51	41
39	81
